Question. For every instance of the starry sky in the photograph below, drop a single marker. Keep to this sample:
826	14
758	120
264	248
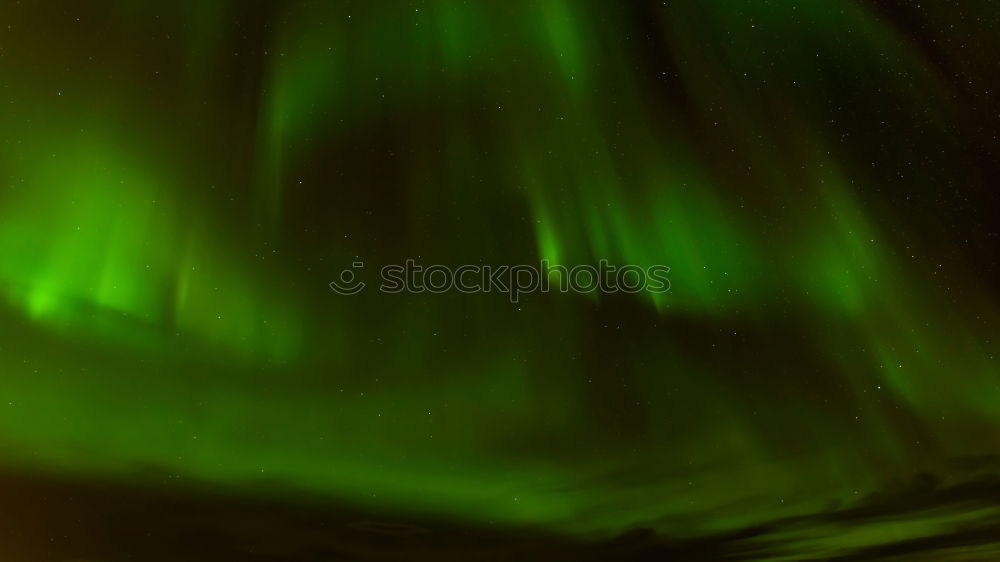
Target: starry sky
180	181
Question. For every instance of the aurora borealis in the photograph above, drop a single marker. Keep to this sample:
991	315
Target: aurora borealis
181	181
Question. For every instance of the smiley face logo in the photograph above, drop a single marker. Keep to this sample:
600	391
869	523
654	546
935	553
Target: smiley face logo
347	284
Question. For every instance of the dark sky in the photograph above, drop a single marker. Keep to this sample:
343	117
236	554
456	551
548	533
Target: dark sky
180	183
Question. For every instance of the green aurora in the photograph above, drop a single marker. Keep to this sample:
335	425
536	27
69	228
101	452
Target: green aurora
179	182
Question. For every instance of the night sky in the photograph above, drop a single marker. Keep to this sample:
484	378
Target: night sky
181	181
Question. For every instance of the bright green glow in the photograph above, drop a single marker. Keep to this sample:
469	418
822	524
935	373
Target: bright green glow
116	256
164	265
100	222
